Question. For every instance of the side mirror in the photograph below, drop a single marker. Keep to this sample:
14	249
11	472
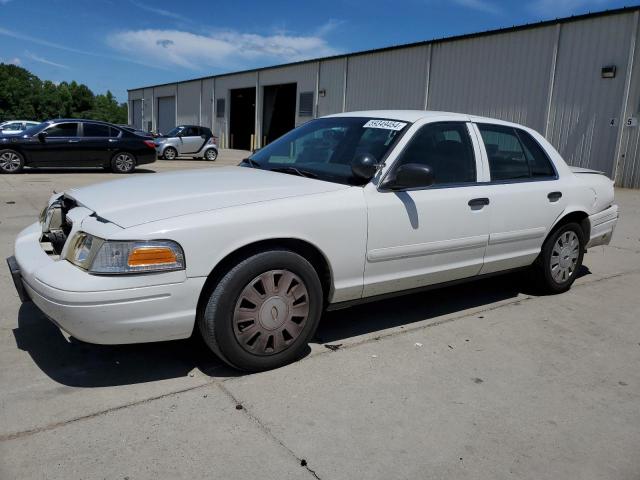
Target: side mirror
364	167
411	175
42	136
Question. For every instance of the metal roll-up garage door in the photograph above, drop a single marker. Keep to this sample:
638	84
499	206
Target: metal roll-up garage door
166	114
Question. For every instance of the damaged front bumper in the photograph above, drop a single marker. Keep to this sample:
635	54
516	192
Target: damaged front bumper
104	309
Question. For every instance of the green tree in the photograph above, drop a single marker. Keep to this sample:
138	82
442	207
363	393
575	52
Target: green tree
24	96
82	99
107	108
18	92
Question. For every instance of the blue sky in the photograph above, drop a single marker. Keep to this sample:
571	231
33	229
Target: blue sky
120	44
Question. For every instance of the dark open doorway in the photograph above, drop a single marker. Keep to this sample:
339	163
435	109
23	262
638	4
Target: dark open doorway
278	111
242	117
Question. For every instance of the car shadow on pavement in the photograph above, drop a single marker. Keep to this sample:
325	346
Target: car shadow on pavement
72	362
75	363
417	307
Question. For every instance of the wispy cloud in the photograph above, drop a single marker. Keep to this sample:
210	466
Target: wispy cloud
480	5
46	43
328	27
36	58
226	49
559	8
4	2
159	11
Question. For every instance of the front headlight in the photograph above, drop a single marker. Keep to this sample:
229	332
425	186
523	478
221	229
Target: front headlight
117	257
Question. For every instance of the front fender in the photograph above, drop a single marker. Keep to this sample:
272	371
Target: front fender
335	223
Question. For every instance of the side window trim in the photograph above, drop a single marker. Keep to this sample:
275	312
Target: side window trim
398	158
482	163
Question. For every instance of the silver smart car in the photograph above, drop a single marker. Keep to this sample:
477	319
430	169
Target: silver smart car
187	140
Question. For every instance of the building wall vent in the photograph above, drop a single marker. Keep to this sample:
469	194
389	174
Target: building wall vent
305	106
220	108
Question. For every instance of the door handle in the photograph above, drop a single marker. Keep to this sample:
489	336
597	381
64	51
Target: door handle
554	196
112	140
478	203
74	141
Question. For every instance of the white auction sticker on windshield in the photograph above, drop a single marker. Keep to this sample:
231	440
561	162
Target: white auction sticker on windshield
386	124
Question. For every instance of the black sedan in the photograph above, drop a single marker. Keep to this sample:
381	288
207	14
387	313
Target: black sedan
76	143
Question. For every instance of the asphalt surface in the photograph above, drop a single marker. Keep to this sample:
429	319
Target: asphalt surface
479	381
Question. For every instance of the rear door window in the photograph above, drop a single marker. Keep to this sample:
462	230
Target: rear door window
513	154
96	130
539	162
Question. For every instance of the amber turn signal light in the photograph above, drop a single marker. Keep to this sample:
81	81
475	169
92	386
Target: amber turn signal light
146	256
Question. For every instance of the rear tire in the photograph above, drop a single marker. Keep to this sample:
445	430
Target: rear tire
263	312
557	266
211	154
169	153
123	162
11	161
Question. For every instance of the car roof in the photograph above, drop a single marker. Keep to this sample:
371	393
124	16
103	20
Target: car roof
60	120
416	115
18	121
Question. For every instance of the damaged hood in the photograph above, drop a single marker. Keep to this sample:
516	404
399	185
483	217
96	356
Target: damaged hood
145	198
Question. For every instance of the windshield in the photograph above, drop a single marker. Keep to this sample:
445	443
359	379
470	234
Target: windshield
326	148
175	132
31	131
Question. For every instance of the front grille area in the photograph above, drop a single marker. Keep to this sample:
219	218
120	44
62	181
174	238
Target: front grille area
53	240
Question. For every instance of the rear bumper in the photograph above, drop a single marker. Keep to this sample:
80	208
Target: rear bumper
145	158
602	225
104	310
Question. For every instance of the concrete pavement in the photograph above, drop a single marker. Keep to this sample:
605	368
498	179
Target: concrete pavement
479	381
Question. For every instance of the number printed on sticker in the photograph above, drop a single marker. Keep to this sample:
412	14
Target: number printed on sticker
386	124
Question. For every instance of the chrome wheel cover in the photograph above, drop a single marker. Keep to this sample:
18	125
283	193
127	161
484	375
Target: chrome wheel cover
170	153
210	155
271	312
124	162
564	256
9	161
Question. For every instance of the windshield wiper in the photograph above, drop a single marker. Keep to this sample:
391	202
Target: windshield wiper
251	162
295	171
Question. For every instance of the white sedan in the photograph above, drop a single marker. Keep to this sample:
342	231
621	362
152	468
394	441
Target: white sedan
344	209
16	127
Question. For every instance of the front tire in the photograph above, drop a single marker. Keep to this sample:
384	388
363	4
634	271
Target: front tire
123	162
169	153
11	161
211	155
560	260
263	312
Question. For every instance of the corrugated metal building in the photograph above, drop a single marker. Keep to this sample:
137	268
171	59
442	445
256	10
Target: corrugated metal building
577	80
